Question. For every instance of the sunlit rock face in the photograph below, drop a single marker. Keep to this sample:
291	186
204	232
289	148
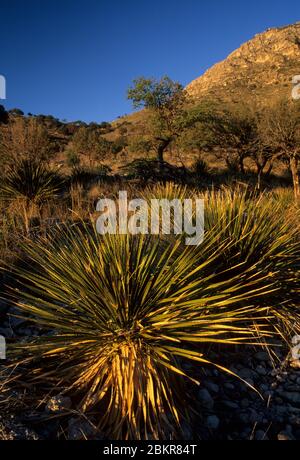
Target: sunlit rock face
260	69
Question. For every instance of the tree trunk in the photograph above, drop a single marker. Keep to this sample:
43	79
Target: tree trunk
295	175
241	164
259	174
270	168
231	164
260	166
227	161
163	144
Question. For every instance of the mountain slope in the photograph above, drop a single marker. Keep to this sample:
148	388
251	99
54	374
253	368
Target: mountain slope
262	68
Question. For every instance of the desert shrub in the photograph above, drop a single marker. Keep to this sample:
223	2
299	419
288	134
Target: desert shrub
233	167
152	170
26	138
123	314
263	235
118	145
3	115
32	180
200	168
81	176
85	177
102	171
143	169
30	184
256	224
73	159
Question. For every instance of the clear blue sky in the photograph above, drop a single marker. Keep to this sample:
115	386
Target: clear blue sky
75	59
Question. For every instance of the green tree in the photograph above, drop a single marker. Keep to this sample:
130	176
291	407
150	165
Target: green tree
197	128
166	101
234	131
3	115
16	112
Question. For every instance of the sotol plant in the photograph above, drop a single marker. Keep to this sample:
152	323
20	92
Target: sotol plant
264	235
263	232
30	183
124	313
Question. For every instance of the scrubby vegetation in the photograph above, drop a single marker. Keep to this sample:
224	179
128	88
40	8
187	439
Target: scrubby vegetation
117	318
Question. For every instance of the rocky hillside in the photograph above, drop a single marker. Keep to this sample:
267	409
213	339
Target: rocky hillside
260	69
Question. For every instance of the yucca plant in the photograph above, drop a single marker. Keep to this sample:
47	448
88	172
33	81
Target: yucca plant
263	235
168	191
124	313
200	168
30	183
290	207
